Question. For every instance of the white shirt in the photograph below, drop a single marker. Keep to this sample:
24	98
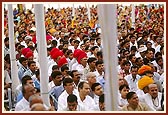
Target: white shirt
132	84
50	65
82	70
51	85
98	76
88	103
62	99
155	104
22	105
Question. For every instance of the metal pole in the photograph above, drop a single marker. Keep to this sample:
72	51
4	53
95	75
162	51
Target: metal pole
42	51
107	18
14	68
133	15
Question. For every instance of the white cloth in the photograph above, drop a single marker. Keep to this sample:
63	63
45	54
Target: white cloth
155	104
22	105
50	65
50	85
62	99
98	76
88	103
132	83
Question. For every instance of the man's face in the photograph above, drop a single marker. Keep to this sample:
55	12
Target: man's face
69	87
98	90
153	90
100	67
32	67
85	90
72	106
76	76
24	63
134	100
58	80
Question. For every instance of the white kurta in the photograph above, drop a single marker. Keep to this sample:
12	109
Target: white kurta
155	104
62	100
22	105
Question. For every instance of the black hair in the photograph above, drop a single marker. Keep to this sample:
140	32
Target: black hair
67	80
64	67
99	62
130	95
25	79
91	59
101	98
72	98
71	73
54	74
124	85
94	86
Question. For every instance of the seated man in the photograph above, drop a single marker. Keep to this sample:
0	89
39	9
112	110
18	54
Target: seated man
134	104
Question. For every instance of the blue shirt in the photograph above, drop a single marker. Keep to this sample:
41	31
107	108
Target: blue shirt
55	92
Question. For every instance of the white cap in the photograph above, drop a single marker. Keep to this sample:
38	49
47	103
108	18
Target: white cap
142	49
33	29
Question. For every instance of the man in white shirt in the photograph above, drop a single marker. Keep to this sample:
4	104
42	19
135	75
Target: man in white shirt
84	100
69	89
153	97
56	79
133	78
23	104
97	91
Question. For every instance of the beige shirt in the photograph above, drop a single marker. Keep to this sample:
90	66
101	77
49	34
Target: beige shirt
140	107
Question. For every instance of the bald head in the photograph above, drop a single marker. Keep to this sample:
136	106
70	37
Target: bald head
38	107
152	85
33	99
153	90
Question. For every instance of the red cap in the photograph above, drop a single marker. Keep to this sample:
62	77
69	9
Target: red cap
55	53
77	53
48	37
82	55
29	54
25	50
62	61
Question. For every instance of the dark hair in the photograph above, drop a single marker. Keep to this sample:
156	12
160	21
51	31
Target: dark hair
30	62
81	84
94	86
67	80
91	59
157	59
72	98
124	85
37	72
101	98
69	52
77	41
6	39
64	67
21	59
54	74
71	73
133	48
55	67
99	62
158	54
54	42
134	66
130	94
93	48
25	79
84	40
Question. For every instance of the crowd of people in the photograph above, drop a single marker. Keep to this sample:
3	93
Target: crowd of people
76	72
